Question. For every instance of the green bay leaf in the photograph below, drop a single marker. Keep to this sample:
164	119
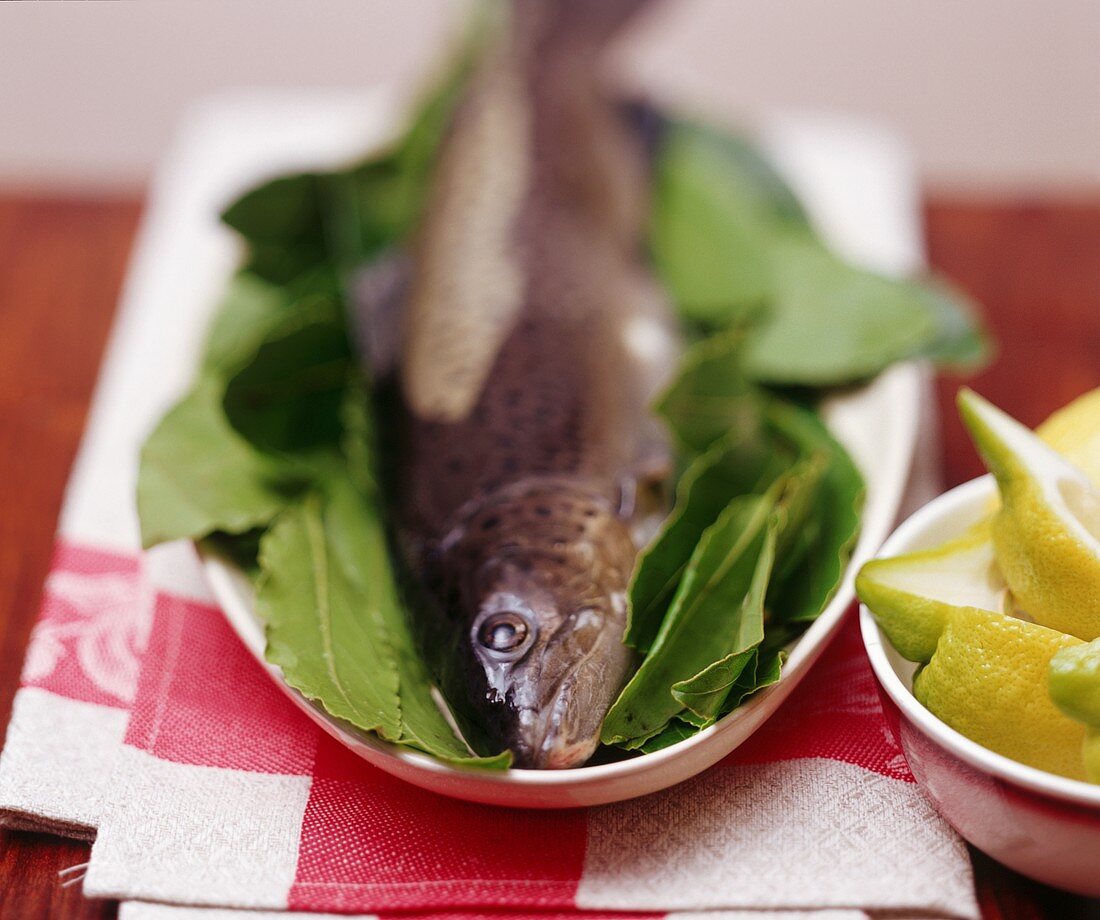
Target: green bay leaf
197	475
324	625
829	323
707	619
734	466
766	670
704	694
716	205
711	395
337	627
831	524
285	210
676	731
731	244
960	343
249	307
289	398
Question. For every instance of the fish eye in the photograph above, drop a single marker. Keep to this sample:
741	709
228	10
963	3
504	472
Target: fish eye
503	631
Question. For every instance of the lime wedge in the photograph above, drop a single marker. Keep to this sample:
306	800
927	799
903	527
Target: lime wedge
1075	689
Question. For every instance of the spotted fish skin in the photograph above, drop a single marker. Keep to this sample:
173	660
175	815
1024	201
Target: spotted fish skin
533	341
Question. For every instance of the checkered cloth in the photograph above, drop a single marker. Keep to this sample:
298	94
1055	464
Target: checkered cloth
143	722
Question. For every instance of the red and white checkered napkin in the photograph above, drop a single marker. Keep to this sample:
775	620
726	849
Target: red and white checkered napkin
142	715
142	721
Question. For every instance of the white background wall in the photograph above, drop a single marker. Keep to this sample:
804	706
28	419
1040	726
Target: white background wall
989	92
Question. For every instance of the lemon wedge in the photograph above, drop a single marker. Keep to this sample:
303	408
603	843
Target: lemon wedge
913	596
982	672
988	679
1075	689
964	610
1046	534
1074	431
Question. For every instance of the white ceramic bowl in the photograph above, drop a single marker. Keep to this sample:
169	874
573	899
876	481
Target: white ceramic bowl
878	423
1044	826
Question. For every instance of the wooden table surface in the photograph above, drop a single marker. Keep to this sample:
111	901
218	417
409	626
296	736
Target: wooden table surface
1033	264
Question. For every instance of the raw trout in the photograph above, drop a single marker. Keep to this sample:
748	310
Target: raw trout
532	341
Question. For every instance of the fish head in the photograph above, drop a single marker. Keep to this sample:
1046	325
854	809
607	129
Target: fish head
544	611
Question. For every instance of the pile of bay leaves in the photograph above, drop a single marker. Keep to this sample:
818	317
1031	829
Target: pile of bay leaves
271	458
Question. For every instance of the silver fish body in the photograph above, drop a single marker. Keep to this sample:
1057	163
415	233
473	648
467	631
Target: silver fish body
532	343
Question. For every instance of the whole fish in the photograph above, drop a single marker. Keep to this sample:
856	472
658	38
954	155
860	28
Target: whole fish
532	340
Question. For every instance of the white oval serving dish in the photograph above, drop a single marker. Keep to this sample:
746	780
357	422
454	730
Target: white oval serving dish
878	423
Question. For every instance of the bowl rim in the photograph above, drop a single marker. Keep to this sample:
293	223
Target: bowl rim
972	495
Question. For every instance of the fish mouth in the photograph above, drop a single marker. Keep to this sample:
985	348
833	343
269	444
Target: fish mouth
550	747
546	725
567	756
556	737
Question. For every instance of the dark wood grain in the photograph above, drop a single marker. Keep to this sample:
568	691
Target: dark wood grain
30	886
61	265
1034	265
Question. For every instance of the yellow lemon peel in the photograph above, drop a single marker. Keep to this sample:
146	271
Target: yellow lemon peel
1046	534
1023	689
